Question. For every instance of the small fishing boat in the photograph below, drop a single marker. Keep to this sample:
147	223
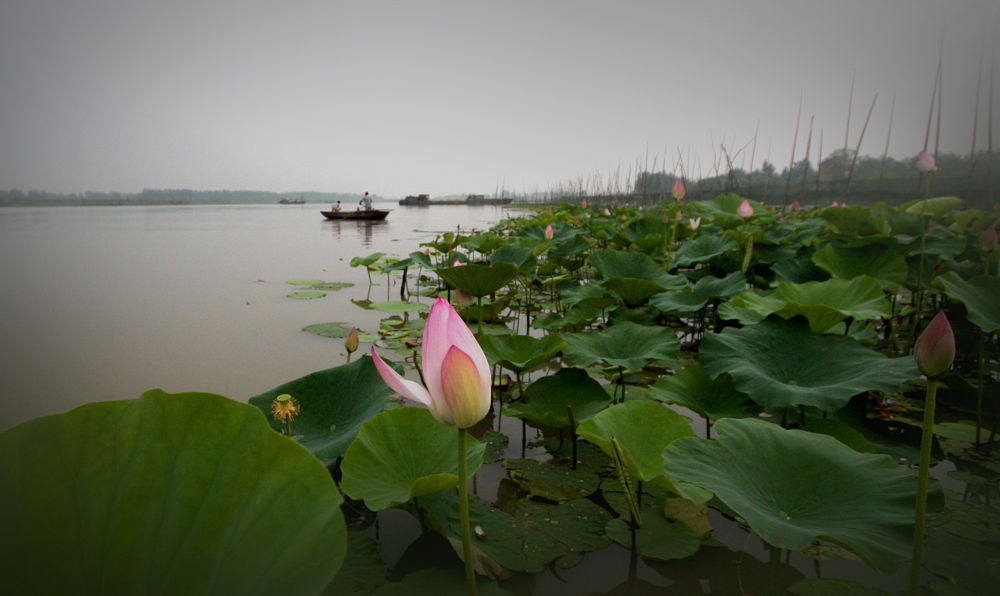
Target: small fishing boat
364	214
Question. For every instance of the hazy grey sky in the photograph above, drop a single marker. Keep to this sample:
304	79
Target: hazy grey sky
441	97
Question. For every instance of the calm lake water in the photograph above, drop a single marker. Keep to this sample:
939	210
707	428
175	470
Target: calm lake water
104	303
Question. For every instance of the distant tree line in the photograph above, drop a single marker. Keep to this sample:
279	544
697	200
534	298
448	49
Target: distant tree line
12	198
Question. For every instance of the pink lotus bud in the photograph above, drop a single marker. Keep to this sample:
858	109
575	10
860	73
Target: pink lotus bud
796	205
549	232
457	263
935	348
606	211
926	162
665	218
745	210
694	222
988	239
456	370
583	203
678	191
678	216
576	220
351	343
835	204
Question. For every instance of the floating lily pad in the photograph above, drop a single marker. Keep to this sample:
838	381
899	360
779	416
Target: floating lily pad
972	565
545	401
398	306
306	295
334	404
980	295
332	286
338	331
794	487
437	582
823	303
643	429
628	345
189	493
305	282
781	363
401	454
555	479
714	399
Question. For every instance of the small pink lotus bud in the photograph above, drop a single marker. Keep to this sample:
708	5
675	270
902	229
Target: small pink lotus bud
351	343
665	218
549	232
796	205
745	210
606	211
988	239
926	162
678	191
694	222
835	204
457	263
935	348
583	203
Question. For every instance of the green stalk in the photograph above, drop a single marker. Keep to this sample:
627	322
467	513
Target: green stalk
923	479
463	511
775	570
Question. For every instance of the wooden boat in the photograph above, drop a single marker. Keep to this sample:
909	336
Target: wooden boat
370	214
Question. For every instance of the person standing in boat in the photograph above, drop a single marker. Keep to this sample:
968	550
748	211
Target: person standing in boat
367	202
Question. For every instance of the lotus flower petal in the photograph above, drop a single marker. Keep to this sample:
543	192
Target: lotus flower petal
926	162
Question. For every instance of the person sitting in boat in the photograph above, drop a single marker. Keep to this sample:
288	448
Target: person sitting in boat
336	207
366	201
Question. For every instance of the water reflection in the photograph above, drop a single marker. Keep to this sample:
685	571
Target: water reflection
360	231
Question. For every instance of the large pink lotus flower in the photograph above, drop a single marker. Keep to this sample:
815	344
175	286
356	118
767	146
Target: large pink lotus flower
926	162
678	191
935	348
745	210
456	371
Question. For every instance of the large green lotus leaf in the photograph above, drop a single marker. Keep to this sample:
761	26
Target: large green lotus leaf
643	428
799	270
885	262
635	265
703	248
367	261
519	255
338	331
362	571
401	454
980	295
781	363
478	279
628	345
714	399
546	399
578	316
823	303
190	493
334	403
695	298
528	537
555	479
935	207
856	220
437	582
590	294
631	290
520	353
793	487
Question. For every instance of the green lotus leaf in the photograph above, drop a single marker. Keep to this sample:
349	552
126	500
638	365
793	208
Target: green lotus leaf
658	538
823	303
189	493
703	248
972	565
546	399
400	265
799	269
980	295
589	294
421	260
305	295
885	262
935	207
555	479
643	428
519	255
528	537
856	220
793	487
398	306
333	403
362	571
367	261
401	454
714	399
695	298
633	265
332	286
781	363
338	331
841	431
521	353
305	282
477	279
633	291
833	587
580	315
438	582
627	345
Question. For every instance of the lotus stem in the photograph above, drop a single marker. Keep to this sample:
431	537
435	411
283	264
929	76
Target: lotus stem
572	429
776	552
463	511
979	388
923	479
